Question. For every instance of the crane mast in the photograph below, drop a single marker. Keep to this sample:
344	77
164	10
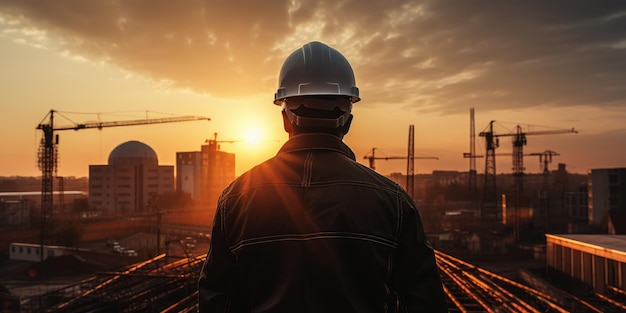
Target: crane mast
410	163
490	214
48	154
472	177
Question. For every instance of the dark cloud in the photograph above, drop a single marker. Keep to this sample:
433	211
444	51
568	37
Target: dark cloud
518	54
442	56
218	47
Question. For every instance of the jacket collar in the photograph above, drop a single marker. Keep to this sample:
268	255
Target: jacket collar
316	141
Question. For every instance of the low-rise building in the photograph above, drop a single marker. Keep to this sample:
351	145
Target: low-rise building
597	261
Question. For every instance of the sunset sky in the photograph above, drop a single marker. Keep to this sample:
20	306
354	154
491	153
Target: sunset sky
544	65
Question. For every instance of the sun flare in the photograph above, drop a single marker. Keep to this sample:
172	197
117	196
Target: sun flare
253	135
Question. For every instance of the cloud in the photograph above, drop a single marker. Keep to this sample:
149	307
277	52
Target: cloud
435	56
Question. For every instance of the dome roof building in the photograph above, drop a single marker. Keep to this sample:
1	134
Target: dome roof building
131	181
133	153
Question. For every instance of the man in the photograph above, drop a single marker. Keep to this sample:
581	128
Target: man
312	230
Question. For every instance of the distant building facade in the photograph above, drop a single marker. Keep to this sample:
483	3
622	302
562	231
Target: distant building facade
189	173
576	203
218	170
606	191
131	180
14	213
204	174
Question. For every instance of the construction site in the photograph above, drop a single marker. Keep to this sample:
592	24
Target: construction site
489	231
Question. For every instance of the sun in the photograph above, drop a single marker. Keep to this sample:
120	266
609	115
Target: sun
253	135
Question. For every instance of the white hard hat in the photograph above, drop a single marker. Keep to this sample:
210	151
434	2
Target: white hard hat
316	70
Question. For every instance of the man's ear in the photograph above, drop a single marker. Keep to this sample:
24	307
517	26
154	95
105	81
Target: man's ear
287	123
346	126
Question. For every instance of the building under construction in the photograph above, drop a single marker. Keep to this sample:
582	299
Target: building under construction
204	174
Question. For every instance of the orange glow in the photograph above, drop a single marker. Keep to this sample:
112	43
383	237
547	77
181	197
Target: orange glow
215	66
253	135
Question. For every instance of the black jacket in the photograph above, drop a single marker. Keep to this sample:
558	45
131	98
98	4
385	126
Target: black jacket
312	230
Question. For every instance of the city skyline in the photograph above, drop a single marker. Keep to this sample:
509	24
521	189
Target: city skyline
556	65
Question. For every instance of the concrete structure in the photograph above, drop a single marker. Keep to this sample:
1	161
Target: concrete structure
14	213
131	181
607	191
189	173
617	222
597	261
576	204
218	170
204	174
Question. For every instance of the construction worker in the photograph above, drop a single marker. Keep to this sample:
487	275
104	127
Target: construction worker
312	230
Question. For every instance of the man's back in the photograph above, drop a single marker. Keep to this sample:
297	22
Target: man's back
311	230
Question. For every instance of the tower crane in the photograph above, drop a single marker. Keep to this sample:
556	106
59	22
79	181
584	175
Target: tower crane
48	151
490	214
371	157
410	158
472	156
214	143
545	158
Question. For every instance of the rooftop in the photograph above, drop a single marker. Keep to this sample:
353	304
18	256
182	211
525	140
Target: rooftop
610	246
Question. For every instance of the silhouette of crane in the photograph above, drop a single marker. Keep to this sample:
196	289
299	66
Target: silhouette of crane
490	212
545	158
371	157
48	151
215	143
410	158
472	156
